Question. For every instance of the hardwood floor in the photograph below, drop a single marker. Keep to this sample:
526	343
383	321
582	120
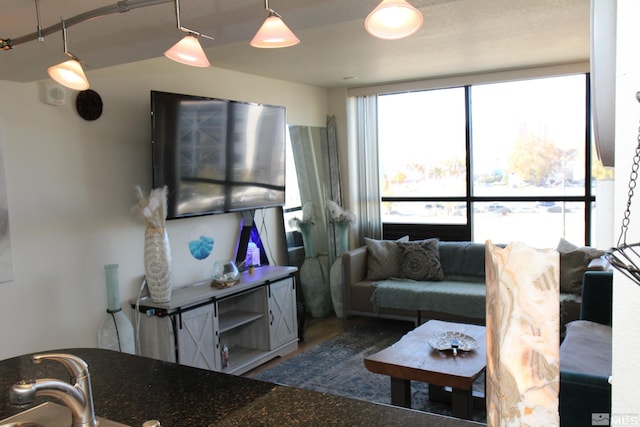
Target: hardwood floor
315	332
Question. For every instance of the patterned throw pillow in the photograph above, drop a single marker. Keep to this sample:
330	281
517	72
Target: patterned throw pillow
421	260
383	258
574	261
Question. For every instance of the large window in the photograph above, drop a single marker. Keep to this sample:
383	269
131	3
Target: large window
422	154
293	203
501	162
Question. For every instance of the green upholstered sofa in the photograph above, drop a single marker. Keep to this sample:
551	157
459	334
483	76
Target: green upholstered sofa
458	296
463	266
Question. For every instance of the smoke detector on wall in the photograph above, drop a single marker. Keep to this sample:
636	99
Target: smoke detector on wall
53	94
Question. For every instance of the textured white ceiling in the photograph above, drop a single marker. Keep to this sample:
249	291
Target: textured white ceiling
458	37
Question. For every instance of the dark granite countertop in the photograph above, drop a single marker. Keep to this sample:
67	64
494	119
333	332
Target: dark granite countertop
133	389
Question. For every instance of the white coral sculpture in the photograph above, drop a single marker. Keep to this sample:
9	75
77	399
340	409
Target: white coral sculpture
308	216
152	209
339	214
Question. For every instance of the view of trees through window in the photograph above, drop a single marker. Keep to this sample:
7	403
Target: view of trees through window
509	160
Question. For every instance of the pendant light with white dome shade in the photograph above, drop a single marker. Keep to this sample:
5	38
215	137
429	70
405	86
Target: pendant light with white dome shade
188	50
393	19
69	73
274	33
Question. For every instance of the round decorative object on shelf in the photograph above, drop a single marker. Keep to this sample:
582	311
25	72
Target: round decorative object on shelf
225	274
89	104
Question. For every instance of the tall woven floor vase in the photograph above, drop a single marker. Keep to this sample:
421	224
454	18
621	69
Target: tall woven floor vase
157	264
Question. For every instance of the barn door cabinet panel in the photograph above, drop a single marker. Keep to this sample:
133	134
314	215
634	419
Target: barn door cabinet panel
283	320
196	338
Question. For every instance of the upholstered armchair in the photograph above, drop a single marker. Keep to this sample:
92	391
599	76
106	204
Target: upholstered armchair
585	356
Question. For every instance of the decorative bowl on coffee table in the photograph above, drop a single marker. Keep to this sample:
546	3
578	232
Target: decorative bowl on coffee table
448	340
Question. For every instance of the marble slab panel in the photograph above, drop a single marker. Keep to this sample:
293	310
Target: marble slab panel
523	327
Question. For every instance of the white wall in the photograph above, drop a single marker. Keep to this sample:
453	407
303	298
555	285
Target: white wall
70	187
626	295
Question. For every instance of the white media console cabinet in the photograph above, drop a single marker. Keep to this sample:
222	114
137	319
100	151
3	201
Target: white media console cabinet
255	320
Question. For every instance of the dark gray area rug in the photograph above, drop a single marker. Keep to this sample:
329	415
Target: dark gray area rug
336	366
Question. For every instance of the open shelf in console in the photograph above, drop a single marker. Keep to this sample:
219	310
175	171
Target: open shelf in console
239	309
237	318
240	356
243	327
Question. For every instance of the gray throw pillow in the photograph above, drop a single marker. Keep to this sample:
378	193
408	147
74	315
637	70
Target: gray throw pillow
574	261
421	260
383	258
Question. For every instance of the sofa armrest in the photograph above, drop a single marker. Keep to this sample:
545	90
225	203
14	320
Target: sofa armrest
599	264
584	398
354	270
582	379
597	288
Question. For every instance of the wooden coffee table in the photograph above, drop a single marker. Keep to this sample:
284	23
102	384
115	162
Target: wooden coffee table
413	359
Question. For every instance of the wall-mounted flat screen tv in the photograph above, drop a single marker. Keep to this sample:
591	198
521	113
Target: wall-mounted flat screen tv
217	155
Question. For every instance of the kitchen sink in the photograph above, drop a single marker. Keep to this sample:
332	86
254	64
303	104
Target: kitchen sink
49	414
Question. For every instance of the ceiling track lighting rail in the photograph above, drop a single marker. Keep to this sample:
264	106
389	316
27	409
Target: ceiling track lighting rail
119	7
6	44
404	21
391	19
